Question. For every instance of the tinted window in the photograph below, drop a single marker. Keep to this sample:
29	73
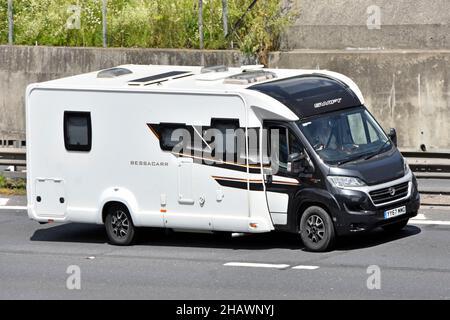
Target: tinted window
282	143
218	141
227	144
173	135
346	135
77	131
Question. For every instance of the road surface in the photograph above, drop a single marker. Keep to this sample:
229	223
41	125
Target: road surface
35	259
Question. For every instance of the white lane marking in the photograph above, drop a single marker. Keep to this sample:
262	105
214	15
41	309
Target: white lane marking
430	207
13	208
420	216
436	222
300	267
256	265
3	201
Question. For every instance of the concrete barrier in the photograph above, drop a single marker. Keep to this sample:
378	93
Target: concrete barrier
408	90
385	24
22	65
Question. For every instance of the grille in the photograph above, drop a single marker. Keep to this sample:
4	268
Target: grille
385	195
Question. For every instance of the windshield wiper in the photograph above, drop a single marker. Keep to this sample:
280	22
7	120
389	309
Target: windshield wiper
364	156
349	160
377	152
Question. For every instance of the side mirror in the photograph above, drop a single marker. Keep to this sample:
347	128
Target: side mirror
393	136
296	163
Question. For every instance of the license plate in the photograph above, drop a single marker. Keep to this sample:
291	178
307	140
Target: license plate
394	212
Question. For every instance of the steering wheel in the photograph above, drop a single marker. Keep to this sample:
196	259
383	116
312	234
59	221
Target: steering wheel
318	146
349	148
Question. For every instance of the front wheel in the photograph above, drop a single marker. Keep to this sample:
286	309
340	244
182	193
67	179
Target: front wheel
317	229
395	227
119	226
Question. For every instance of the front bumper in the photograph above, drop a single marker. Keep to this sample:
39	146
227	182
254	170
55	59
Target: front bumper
357	213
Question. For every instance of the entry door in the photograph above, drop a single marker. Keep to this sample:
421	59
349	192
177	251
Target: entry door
280	184
187	213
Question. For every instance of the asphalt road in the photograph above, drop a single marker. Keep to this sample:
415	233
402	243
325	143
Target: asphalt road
434	185
34	260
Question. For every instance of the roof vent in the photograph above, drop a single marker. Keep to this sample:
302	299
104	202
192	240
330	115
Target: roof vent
113	73
248	77
252	67
160	78
221	68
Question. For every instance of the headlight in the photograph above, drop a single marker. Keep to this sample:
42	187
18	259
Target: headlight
346	182
406	167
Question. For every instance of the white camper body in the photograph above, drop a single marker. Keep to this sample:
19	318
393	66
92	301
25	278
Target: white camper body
123	161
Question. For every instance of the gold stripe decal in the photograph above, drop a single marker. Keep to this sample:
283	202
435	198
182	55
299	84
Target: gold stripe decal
255	180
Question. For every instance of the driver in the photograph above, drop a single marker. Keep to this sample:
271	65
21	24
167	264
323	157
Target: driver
324	137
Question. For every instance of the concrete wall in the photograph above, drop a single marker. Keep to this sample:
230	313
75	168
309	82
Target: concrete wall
409	90
402	67
340	24
406	89
21	65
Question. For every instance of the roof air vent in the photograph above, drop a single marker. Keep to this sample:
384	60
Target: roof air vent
252	67
113	73
250	77
221	68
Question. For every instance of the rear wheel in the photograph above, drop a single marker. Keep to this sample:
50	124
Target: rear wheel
395	227
119	226
317	229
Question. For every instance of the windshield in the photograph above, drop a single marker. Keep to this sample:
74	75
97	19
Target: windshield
345	136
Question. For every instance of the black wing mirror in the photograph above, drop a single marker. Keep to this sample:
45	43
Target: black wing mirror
296	163
393	136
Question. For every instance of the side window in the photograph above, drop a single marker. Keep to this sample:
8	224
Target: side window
77	131
282	143
372	133
227	138
253	143
356	124
218	141
295	146
172	135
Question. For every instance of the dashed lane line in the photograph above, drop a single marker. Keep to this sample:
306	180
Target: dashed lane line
256	265
269	265
429	222
13	208
302	267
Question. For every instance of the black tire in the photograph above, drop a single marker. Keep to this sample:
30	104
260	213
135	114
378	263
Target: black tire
119	225
317	230
396	226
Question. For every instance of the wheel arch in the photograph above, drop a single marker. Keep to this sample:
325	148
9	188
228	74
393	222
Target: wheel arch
118	196
109	204
309	198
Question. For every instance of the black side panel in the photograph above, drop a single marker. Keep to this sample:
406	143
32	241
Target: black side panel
309	95
314	194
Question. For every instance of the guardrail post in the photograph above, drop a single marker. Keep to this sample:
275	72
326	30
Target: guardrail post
10	23
225	17
104	19
200	22
200	30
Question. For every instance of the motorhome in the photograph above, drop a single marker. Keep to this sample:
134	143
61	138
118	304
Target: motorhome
216	149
